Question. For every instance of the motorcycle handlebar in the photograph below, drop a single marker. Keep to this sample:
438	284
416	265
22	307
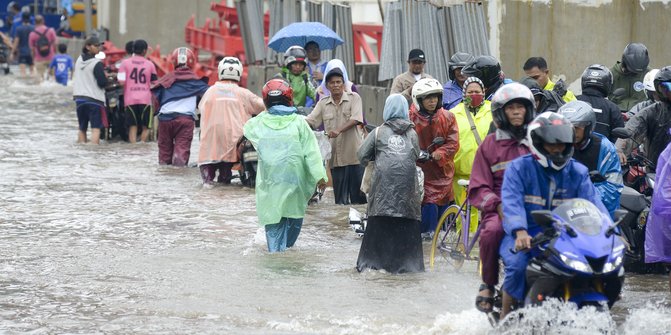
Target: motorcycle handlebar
536	241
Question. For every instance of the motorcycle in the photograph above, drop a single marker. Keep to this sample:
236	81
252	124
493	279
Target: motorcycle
248	158
635	200
358	220
114	108
577	258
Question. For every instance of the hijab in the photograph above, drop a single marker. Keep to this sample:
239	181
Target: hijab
332	64
395	107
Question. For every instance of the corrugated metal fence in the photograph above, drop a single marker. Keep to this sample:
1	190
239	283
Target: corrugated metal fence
438	31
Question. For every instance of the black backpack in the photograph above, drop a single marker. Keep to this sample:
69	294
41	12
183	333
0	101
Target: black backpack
43	44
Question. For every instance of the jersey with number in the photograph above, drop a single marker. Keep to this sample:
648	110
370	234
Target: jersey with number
62	65
135	72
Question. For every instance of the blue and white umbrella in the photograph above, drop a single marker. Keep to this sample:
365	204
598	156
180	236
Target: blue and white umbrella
300	33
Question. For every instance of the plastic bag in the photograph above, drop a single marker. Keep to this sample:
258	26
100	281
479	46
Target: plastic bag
324	145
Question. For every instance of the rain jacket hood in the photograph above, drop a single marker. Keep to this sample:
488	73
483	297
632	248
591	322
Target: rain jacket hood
395	107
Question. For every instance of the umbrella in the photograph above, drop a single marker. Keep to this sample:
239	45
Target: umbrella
300	33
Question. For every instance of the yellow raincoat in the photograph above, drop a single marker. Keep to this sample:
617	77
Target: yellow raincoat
463	160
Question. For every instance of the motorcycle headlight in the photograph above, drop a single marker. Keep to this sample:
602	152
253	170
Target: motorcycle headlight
576	264
610	266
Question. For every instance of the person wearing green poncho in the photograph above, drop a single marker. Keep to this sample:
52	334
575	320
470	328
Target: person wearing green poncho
290	165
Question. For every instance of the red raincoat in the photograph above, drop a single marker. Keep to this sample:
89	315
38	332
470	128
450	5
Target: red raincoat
438	174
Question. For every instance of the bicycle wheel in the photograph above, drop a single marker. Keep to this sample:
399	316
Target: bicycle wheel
446	246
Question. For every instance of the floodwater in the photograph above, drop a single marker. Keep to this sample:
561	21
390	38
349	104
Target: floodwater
100	239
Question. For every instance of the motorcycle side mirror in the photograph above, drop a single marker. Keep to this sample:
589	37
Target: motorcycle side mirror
438	141
543	218
621	132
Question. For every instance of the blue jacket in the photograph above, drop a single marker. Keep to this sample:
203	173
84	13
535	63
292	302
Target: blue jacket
452	94
608	165
527	186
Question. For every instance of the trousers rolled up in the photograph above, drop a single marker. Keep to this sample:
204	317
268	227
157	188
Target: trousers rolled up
174	141
209	171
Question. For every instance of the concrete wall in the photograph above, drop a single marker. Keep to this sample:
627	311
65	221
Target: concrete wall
157	21
573	34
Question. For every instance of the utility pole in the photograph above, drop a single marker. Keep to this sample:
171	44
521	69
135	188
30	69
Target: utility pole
88	12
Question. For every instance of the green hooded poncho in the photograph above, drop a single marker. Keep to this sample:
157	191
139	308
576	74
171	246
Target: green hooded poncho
290	165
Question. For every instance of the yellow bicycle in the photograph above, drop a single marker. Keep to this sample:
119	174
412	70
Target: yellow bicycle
451	242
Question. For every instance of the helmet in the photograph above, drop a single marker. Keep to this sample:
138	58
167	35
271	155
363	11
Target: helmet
663	76
580	114
294	54
182	57
551	128
635	57
599	77
648	79
459	59
425	87
277	92
487	68
230	68
508	93
13	6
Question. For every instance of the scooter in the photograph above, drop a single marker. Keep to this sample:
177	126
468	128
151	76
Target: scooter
577	258
358	221
249	159
635	200
114	108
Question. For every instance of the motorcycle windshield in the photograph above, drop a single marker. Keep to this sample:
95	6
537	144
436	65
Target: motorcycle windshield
581	215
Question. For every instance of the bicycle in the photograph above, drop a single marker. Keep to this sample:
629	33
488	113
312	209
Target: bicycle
454	243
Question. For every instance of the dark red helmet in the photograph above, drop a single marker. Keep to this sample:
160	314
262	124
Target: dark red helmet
277	92
183	57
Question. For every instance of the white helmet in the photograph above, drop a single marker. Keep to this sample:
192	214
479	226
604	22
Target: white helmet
230	68
425	87
648	80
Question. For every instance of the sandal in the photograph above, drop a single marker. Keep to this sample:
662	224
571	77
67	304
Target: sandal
483	300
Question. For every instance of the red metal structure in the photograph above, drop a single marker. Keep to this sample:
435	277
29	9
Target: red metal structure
219	38
359	33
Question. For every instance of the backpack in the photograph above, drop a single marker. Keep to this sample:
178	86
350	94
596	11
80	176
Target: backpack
43	44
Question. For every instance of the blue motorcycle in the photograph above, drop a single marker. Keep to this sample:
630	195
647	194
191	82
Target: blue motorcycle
578	257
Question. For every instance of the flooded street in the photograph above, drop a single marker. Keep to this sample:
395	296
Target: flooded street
101	239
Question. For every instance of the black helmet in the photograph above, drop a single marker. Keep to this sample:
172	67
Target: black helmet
295	54
635	57
551	128
459	59
599	77
580	114
513	92
663	76
487	69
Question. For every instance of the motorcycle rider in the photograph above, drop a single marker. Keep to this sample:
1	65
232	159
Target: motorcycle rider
554	177
512	110
295	73
177	94
652	122
290	165
596	82
452	90
537	69
596	152
488	70
225	108
628	74
431	121
546	101
650	94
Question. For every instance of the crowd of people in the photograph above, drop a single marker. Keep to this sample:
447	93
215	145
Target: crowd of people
523	146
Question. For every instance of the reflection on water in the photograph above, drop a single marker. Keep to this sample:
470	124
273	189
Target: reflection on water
102	239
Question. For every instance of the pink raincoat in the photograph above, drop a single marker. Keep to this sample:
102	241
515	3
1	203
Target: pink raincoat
225	108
